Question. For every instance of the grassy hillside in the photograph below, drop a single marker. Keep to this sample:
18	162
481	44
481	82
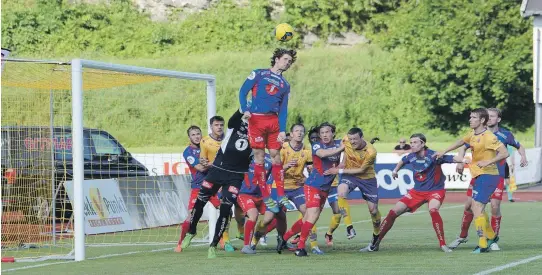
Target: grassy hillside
328	84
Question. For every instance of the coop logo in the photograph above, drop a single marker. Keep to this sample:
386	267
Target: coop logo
404	181
106	208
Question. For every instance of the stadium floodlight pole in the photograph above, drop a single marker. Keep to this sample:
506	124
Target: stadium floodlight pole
78	161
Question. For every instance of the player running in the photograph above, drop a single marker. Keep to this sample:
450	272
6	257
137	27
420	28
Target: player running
428	188
198	171
506	138
325	155
359	159
487	150
267	120
227	172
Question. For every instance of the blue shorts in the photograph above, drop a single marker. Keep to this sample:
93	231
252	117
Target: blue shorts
368	187
297	196
333	195
484	186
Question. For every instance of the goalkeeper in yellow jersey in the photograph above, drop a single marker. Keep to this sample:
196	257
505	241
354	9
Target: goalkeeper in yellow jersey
487	150
359	172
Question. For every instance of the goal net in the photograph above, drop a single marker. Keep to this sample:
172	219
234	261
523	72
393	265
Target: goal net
92	158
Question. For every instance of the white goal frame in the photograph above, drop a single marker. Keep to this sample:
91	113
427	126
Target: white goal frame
77	67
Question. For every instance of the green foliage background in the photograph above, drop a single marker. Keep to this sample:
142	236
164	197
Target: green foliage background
428	62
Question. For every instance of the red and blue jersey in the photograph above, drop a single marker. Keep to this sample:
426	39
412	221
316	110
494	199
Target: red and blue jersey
270	94
251	188
320	165
507	138
191	155
428	174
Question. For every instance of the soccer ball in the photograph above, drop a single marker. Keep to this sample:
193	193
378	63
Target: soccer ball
284	32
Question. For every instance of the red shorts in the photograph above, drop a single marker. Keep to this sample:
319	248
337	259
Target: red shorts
248	202
263	131
414	199
497	194
194	196
314	197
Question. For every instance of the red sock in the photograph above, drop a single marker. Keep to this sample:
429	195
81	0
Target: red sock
296	228
184	228
260	179
272	225
278	175
438	225
496	224
386	224
305	232
249	229
465	224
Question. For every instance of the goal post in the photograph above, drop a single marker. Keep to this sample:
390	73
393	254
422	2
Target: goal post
77	67
92	159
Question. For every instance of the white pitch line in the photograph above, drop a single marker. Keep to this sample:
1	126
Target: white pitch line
170	248
509	265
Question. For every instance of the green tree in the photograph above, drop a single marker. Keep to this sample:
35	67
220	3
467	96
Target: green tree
334	16
461	55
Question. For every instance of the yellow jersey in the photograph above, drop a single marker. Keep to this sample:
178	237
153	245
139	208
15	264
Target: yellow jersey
293	175
360	158
484	147
209	147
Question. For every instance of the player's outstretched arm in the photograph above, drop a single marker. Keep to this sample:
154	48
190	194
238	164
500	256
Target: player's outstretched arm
452	147
396	169
324	153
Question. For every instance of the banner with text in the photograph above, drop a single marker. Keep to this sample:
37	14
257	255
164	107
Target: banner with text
174	164
105	209
156	201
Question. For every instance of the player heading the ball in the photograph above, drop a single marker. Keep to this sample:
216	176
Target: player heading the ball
267	114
